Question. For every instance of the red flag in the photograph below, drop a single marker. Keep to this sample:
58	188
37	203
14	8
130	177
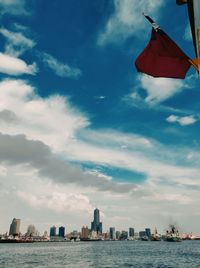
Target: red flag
162	57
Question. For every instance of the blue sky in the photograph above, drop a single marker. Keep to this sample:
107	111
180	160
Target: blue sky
80	128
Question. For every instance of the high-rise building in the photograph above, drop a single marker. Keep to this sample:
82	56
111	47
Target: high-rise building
118	233
96	225
15	227
85	232
112	234
131	232
123	235
53	231
31	230
45	234
148	232
142	234
61	231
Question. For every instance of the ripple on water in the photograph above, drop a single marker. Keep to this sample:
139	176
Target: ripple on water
101	255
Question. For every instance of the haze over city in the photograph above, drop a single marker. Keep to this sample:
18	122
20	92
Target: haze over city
80	128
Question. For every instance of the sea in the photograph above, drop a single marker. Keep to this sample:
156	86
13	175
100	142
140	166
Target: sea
107	254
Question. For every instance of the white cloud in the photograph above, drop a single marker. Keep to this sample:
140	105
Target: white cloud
15	7
128	20
15	66
100	97
183	121
170	197
43	201
20	27
38	116
61	69
36	177
109	139
141	161
172	118
16	42
75	141
160	89
157	91
57	201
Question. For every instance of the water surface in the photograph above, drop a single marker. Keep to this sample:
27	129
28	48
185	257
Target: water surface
101	254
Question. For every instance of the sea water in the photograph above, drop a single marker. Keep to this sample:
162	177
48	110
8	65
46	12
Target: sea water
105	254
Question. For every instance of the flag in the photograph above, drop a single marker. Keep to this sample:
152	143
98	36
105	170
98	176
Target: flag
162	57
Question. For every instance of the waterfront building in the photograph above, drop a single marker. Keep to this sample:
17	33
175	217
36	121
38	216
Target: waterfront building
123	235
31	231
142	234
85	232
93	235
105	236
118	233
96	225
15	227
74	234
148	232
61	231
131	232
53	231
45	234
112	233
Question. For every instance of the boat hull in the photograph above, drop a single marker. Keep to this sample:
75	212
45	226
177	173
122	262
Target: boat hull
15	241
173	239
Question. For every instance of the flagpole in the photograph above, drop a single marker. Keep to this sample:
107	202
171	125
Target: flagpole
194	64
152	22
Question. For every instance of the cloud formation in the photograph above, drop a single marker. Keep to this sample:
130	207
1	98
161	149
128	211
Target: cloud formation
73	139
33	146
160	89
55	164
37	116
14	7
127	20
60	69
16	42
16	150
57	201
183	121
15	66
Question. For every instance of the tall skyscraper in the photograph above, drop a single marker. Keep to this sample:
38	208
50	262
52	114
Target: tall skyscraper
96	225
61	231
53	231
148	232
15	227
112	233
131	232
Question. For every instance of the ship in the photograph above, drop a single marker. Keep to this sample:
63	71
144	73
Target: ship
173	235
90	239
156	236
144	238
13	240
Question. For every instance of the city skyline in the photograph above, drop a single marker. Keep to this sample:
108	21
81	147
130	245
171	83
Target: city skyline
79	126
60	231
96	230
